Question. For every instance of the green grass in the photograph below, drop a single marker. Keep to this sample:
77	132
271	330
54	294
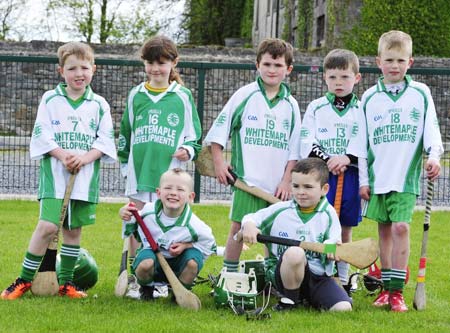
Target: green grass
106	313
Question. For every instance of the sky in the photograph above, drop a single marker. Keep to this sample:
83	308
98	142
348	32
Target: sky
33	24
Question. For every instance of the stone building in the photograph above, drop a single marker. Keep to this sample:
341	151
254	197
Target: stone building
306	24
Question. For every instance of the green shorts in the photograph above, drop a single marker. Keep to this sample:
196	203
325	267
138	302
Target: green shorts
79	213
245	203
177	264
390	207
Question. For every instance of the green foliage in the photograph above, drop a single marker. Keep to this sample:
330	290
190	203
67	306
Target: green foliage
211	21
304	24
427	22
107	313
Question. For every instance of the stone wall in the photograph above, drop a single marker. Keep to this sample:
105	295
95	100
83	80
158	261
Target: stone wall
22	83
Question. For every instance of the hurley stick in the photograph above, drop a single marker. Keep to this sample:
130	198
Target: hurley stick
46	282
360	254
185	298
205	167
339	192
122	281
420	298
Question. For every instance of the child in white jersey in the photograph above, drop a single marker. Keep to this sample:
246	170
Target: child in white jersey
160	128
401	124
72	132
263	120
330	125
183	238
302	277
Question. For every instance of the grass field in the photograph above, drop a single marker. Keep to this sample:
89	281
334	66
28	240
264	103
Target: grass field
103	312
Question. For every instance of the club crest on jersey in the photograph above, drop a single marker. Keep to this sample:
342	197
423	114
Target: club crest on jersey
286	124
355	129
173	119
37	130
304	132
415	115
122	143
92	124
221	120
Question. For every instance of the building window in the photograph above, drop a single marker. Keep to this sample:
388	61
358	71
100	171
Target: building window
320	31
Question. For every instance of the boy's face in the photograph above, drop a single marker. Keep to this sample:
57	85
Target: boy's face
158	72
273	71
174	192
393	64
77	74
341	81
306	189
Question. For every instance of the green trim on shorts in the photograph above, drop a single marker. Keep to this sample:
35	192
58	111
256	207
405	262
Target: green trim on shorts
79	213
391	207
245	203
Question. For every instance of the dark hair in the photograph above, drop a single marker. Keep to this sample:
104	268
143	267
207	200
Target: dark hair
341	59
276	48
161	47
313	165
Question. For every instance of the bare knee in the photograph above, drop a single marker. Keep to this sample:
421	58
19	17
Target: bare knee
191	266
400	229
341	306
294	256
144	271
46	230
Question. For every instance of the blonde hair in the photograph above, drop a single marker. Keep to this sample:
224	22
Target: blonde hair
395	39
78	49
181	173
161	47
341	59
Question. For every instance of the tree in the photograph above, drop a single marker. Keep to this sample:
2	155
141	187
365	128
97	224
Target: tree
10	10
427	22
211	21
107	20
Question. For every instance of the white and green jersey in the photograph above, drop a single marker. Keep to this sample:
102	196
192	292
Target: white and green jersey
75	126
333	130
187	228
399	128
265	134
153	127
286	220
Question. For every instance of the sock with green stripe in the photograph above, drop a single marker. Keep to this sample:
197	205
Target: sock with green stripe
398	277
386	278
30	266
69	255
231	266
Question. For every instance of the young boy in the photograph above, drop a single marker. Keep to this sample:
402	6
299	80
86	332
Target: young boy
401	123
299	275
183	238
72	132
330	125
263	120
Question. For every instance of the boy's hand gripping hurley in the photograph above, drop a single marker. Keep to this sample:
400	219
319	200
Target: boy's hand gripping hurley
205	167
46	282
185	298
420	295
360	254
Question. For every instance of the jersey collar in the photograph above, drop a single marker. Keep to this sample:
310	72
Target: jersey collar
382	87
88	93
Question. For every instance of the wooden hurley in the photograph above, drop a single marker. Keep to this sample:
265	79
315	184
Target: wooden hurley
420	299
122	281
184	298
360	254
205	167
45	282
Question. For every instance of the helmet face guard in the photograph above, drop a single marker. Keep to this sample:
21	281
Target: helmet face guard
237	290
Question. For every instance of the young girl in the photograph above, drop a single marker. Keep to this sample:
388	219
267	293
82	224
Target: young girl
160	127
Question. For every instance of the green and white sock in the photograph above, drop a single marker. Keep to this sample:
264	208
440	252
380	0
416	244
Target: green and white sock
130	264
69	256
386	278
30	266
231	266
398	277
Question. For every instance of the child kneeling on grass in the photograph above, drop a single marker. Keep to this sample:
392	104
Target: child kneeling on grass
183	239
302	277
